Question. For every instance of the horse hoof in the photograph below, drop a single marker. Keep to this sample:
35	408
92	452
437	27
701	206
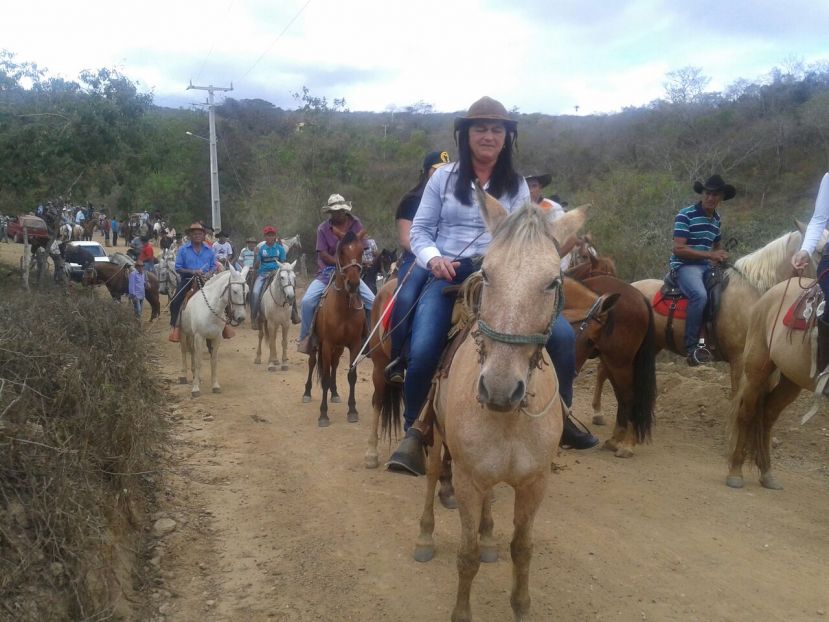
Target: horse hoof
323	422
335	399
271	367
217	389
610	445
624	452
352	417
599	420
770	481
257	361
306	399
285	367
448	500
424	553
372	462
734	481
489	555
182	379
195	393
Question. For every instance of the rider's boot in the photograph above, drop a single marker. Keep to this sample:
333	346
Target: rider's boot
574	437
175	334
823	355
303	346
395	371
295	319
409	457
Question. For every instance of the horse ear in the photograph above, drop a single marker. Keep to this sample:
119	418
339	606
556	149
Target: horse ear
608	302
244	272
493	212
570	223
292	266
800	226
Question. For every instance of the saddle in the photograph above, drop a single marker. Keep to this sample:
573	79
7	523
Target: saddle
803	313
670	302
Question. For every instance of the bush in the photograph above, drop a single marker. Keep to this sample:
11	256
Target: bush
80	431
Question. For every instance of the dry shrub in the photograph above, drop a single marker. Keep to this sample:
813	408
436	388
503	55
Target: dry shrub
81	429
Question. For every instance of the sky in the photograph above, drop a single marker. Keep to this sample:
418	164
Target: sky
549	56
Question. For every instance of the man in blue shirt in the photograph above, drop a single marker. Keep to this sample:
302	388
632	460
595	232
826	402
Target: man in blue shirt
696	246
192	260
266	257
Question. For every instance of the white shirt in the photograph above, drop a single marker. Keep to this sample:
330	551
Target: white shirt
444	226
819	219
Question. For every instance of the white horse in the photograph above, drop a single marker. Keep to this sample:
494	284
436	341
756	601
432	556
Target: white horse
167	275
219	302
275	312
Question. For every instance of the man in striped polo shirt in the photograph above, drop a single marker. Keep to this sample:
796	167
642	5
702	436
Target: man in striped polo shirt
696	247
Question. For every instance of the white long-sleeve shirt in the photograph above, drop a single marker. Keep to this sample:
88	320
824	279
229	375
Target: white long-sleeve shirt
444	226
819	219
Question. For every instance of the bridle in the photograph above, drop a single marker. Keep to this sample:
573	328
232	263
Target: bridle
354	264
228	289
283	286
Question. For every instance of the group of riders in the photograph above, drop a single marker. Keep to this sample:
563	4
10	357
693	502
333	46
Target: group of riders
443	238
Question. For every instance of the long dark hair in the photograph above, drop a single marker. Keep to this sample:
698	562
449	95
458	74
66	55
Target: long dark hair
416	191
504	178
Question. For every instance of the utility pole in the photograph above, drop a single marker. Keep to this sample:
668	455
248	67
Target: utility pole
215	204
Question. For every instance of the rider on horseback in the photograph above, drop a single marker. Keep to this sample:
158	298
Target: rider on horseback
266	259
193	259
696	246
329	233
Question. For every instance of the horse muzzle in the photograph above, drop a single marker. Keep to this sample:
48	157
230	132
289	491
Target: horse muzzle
501	394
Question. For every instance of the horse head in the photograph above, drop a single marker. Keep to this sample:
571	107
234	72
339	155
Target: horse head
349	261
594	328
521	272
287	280
386	259
237	294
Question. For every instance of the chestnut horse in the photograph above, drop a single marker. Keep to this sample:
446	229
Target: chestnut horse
498	411
116	277
619	328
585	260
340	323
777	365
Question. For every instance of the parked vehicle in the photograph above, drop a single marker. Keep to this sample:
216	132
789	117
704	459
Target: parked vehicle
75	254
35	225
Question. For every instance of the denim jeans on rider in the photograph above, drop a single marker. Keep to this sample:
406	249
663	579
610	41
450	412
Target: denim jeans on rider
403	311
691	281
429	327
823	275
312	298
256	292
175	303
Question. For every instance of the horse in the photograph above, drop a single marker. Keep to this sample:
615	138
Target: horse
340	322
70	232
498	410
747	280
777	365
618	326
275	313
116	278
219	301
167	276
293	248
88	228
585	261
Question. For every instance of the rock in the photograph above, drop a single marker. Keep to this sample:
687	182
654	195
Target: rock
210	603
163	526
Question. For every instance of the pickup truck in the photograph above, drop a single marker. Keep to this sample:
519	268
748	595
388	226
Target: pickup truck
35	226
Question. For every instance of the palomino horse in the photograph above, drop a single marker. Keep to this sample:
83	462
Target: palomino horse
747	280
116	279
275	313
619	328
220	301
340	323
777	365
498	411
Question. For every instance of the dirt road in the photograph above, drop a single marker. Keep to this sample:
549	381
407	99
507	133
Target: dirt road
278	520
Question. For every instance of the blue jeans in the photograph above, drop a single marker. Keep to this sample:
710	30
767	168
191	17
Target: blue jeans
175	303
138	306
255	295
429	327
691	281
403	311
312	298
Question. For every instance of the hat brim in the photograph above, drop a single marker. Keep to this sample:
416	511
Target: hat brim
461	122
191	229
729	191
336	208
544	180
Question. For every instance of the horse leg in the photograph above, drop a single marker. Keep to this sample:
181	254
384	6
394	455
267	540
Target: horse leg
352	416
182	379
371	458
470	502
271	329
446	494
623	387
326	374
258	359
425	545
196	355
214	364
488	548
284	346
528	499
312	361
335	362
781	396
745	421
601	376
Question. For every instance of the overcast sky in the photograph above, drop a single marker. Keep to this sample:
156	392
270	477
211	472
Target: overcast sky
538	55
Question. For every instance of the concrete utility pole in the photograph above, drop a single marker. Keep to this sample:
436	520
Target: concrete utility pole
215	204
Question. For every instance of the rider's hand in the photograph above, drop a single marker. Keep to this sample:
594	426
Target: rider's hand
443	268
800	260
719	255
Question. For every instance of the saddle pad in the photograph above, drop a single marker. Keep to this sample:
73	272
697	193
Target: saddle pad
385	319
795	323
662	306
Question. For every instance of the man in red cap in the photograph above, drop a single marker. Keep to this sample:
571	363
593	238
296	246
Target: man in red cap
265	263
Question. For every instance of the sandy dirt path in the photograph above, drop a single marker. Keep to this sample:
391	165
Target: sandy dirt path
278	519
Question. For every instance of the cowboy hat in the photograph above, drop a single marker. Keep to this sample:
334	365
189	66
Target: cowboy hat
251	241
196	226
543	179
486	109
715	183
336	203
557	199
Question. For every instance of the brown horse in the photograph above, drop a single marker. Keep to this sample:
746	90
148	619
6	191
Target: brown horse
498	411
116	279
618	326
585	260
777	365
340	323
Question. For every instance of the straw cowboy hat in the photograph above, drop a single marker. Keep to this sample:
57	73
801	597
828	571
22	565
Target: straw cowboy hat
196	226
336	203
715	183
486	109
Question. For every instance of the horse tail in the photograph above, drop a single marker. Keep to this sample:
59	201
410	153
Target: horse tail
388	401
644	379
745	420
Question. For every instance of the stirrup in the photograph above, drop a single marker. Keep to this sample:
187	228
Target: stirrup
576	437
409	457
700	355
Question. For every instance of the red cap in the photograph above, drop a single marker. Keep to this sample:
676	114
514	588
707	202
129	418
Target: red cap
268	230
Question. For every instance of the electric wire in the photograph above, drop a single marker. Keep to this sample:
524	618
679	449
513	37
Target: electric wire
278	37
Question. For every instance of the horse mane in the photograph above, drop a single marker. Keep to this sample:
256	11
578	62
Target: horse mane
762	268
525	226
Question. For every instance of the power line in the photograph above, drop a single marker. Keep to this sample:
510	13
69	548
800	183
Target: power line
278	37
213	45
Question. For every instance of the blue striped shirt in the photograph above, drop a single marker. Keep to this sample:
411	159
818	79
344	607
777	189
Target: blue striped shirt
700	232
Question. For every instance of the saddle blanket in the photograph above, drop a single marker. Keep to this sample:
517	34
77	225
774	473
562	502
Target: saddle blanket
804	311
385	319
662	305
